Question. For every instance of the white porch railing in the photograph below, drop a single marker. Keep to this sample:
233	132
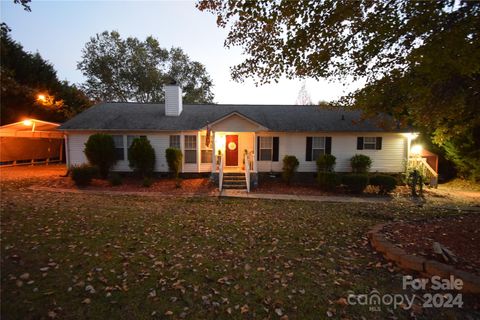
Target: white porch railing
220	173
247	171
424	168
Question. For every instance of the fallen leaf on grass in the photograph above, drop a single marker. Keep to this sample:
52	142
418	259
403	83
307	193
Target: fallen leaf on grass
244	309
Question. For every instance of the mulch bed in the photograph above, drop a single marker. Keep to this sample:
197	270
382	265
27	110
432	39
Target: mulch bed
163	185
280	187
459	234
277	186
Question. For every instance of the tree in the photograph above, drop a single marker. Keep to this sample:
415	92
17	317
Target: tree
290	165
25	76
100	152
24	3
26	6
141	156
303	96
421	59
174	160
132	70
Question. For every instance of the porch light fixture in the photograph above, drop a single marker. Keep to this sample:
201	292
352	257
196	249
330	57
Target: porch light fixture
416	149
27	122
219	142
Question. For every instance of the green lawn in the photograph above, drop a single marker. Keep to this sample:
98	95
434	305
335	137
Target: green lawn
194	258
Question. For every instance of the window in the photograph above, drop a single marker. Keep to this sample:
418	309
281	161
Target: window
119	147
206	152
318	147
190	149
369	143
175	141
266	148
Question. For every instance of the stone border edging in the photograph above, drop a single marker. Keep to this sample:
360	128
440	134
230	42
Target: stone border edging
471	282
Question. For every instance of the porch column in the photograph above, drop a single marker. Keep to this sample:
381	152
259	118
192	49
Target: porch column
67	152
255	156
182	144
60	153
214	153
199	150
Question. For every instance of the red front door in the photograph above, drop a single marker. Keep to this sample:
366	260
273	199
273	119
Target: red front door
231	152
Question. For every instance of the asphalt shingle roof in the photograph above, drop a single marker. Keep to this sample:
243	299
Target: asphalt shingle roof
151	117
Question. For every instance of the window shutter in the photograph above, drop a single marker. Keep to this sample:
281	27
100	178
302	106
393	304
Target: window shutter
379	143
359	143
328	145
308	152
276	142
258	148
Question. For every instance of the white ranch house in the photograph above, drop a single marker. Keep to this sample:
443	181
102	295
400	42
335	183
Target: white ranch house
262	134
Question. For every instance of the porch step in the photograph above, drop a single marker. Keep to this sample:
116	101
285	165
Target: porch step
235	186
234	174
234	180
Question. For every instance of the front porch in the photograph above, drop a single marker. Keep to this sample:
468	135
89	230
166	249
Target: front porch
234	163
233	141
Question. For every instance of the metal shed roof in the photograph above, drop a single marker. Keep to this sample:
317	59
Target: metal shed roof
32	128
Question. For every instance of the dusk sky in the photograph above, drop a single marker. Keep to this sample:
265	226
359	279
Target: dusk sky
58	30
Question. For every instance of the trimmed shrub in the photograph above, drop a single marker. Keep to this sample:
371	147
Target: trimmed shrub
385	183
326	163
141	156
355	182
174	159
360	163
147	182
290	165
100	152
82	175
328	180
115	179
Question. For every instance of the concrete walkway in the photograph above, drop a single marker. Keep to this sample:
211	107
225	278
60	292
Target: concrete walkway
224	193
349	199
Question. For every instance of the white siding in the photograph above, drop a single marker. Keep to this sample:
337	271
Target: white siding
76	145
235	123
160	142
391	158
173	100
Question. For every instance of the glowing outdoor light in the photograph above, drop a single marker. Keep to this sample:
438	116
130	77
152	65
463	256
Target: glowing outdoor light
417	149
219	142
410	135
27	122
41	97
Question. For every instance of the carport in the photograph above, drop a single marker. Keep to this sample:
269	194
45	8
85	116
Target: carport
30	141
